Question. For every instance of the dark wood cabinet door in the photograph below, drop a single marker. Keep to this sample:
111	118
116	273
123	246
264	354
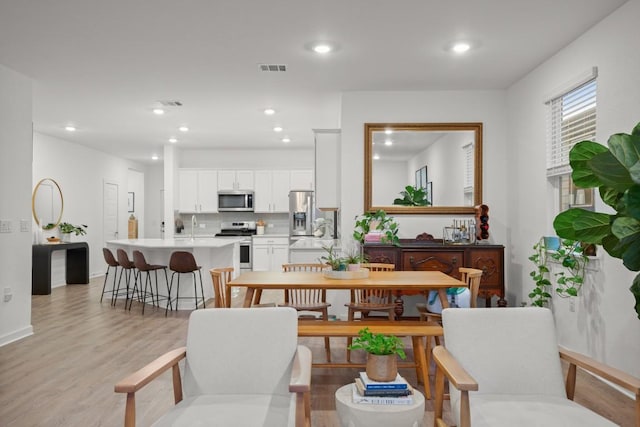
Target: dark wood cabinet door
490	261
382	254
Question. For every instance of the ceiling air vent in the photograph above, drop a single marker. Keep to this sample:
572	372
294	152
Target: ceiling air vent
169	103
273	67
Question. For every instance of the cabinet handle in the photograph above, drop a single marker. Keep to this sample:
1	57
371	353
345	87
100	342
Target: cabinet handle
454	260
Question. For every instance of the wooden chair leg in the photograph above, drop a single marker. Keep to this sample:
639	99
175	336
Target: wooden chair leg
327	344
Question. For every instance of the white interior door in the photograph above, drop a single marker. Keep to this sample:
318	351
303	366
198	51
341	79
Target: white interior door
110	211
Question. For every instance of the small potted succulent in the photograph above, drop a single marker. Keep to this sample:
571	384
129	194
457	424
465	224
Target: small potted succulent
382	364
336	262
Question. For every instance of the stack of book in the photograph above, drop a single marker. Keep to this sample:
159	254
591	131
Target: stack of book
396	392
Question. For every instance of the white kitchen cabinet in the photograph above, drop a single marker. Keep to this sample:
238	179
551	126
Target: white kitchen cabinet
197	191
302	179
235	180
271	191
269	253
327	162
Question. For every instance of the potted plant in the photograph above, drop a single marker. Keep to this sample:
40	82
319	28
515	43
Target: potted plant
569	254
382	364
412	196
333	260
615	171
66	229
353	258
380	221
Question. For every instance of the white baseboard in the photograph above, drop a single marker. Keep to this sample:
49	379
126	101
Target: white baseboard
16	335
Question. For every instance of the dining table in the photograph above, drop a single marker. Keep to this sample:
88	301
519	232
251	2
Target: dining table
417	281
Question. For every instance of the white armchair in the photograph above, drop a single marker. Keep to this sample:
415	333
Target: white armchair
243	367
504	369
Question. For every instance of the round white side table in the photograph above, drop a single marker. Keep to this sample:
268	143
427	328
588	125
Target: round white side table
367	415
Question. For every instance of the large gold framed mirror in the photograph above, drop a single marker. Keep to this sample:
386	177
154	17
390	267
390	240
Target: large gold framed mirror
442	159
47	203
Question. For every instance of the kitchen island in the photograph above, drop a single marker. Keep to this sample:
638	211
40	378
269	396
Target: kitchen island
209	252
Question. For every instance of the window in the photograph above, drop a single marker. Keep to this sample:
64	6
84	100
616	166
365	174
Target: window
571	119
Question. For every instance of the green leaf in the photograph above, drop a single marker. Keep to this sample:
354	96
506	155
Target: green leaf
579	158
610	196
582	225
635	290
610	172
631	257
626	149
632	201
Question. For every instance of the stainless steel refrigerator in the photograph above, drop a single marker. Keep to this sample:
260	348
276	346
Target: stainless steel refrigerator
301	213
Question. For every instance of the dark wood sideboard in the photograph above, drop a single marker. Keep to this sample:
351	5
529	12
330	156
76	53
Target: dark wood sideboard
416	255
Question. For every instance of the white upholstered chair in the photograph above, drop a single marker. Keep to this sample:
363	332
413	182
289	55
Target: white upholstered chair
504	370
243	367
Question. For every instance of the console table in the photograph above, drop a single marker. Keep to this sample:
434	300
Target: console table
77	271
416	255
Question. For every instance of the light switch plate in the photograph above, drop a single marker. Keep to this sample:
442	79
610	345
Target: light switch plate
5	226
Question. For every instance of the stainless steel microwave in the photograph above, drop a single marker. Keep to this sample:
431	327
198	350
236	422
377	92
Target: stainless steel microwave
235	201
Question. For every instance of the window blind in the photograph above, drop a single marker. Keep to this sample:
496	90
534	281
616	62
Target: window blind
468	167
571	119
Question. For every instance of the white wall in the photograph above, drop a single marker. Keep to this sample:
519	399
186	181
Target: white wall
135	185
81	172
488	107
15	193
390	177
604	323
154	207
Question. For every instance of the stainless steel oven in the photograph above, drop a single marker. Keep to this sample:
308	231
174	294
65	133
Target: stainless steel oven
244	229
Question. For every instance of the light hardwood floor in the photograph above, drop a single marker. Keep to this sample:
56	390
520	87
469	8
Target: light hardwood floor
64	374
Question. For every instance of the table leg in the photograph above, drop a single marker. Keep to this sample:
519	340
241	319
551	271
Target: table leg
248	298
442	293
422	369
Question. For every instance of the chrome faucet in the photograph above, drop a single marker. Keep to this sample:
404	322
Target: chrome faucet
194	222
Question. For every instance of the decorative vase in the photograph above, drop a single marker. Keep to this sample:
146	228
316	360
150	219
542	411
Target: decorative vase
382	368
65	237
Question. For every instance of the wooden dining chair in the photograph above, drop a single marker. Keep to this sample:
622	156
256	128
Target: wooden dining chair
220	277
305	300
470	276
365	301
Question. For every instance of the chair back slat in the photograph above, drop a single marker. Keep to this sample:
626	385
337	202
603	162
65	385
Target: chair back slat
220	277
304	296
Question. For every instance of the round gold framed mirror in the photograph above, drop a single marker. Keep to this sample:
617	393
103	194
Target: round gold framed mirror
47	203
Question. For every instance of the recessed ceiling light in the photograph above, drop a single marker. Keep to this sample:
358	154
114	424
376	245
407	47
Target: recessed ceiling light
277	129
388	142
173	140
388	131
70	128
461	47
154	157
322	48
269	111
286	139
183	129
158	111
376	157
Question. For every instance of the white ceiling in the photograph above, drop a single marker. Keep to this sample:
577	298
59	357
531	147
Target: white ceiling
102	64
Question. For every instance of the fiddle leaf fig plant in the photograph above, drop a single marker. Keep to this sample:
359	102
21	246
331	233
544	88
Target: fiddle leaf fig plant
615	171
412	196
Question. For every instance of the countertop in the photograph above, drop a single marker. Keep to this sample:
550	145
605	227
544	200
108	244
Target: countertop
312	243
198	242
